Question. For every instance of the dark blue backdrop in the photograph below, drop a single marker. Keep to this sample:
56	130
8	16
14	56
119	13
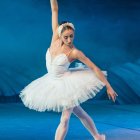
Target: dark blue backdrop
106	31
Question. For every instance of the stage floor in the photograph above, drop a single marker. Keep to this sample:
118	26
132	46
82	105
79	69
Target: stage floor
118	122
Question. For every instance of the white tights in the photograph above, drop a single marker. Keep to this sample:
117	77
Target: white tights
86	120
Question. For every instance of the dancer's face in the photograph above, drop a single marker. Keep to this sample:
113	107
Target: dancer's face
67	37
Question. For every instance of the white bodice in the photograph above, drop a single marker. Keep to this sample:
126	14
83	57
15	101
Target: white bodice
58	66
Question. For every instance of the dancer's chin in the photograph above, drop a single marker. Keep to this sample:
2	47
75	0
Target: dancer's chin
69	45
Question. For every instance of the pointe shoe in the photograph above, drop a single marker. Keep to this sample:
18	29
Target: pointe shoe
101	137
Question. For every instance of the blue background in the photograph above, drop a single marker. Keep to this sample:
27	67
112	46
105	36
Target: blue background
106	31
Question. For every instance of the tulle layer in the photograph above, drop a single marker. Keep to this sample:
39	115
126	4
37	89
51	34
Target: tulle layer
59	93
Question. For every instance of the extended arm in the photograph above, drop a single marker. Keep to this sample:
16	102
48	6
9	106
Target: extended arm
54	9
80	56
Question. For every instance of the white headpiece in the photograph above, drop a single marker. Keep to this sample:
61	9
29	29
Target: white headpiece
63	25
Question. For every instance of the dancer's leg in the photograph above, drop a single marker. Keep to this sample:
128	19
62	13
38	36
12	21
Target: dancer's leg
62	128
87	122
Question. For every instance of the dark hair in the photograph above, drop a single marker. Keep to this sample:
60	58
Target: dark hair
66	27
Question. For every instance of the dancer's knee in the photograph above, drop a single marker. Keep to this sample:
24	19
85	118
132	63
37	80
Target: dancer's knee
64	121
65	117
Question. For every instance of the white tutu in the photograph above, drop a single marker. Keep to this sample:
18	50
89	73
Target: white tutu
58	92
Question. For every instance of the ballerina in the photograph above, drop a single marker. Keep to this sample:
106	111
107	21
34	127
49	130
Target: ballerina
63	89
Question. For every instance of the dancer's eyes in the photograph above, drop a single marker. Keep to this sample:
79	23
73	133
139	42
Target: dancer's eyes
66	37
71	36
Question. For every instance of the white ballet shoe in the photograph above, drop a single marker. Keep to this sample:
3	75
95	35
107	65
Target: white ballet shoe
101	137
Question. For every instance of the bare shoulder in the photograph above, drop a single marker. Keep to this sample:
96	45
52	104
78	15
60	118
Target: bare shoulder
77	53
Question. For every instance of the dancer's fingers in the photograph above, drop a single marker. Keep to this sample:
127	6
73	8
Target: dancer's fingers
116	94
109	96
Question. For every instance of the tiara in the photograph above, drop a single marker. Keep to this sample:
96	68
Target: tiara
64	25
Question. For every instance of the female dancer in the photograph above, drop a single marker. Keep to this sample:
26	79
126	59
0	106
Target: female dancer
62	89
66	36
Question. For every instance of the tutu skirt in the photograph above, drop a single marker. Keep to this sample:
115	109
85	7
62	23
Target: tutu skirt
59	93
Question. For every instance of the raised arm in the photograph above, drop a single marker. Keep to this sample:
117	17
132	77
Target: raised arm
54	9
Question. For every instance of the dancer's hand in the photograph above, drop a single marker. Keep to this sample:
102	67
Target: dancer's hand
111	94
